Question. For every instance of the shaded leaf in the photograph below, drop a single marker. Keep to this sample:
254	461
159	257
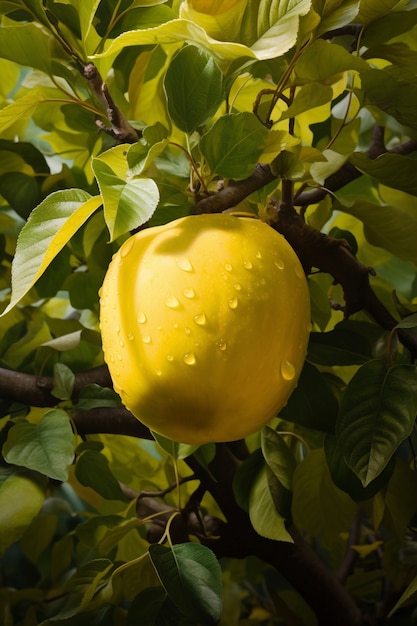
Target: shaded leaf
194	88
63	382
49	228
394	91
104	532
319	507
278	457
14	46
377	413
47	447
92	470
349	343
191	575
263	513
173	448
312	403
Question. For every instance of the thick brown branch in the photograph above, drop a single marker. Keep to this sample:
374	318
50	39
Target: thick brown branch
120	128
235	192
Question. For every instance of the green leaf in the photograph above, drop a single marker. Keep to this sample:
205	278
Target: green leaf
270	28
345	478
48	229
194	88
371	10
63	382
394	91
410	591
23	108
323	60
408	322
263	513
312	403
93	396
104	532
392	170
128	202
386	226
47	447
278	456
191	575
349	343
377	413
335	14
308	97
21	496
146	607
173	448
92	470
319	507
14	46
389	26
87	581
244	477
140	157
233	144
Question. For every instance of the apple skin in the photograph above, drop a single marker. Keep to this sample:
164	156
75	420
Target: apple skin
205	323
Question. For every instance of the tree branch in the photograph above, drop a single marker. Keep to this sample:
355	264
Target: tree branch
120	128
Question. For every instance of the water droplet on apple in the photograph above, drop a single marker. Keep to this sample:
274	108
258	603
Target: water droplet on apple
247	265
170	357
287	370
130	336
184	264
258	254
147	339
237	286
187	331
189	293
141	317
200	319
228	267
233	303
279	264
222	345
172	302
189	358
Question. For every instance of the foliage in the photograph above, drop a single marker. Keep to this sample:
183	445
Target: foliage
305	113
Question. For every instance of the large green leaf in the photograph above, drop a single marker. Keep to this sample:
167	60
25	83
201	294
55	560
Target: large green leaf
50	226
335	14
392	170
350	343
194	88
270	28
323	60
319	507
394	91
308	97
377	413
265	495
47	447
103	533
14	46
233	144
23	108
393	228
278	456
191	575
371	10
21	496
388	26
312	403
92	470
128	202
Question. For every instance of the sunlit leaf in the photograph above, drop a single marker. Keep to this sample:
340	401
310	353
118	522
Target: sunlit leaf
371	10
233	144
173	448
13	46
270	28
335	14
310	96
49	227
128	203
21	496
22	108
323	60
191	575
377	413
47	447
194	88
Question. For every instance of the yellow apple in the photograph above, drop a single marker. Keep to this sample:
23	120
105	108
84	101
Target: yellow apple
205	323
